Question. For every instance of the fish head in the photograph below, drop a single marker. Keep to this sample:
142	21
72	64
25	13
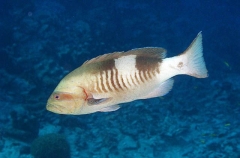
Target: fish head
63	102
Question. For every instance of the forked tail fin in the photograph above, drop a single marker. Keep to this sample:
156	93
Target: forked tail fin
193	57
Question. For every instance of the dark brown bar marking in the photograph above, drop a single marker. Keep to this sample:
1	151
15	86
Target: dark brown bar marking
102	78
117	81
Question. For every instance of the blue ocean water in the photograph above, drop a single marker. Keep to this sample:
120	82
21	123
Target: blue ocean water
42	41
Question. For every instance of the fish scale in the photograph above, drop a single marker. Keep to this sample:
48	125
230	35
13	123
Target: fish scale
133	78
110	80
136	76
113	81
116	81
99	85
104	81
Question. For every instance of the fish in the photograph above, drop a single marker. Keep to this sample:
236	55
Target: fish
103	83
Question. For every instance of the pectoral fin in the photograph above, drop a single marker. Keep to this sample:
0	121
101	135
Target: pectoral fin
110	108
92	101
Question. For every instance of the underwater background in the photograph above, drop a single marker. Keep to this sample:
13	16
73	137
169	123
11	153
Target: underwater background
43	40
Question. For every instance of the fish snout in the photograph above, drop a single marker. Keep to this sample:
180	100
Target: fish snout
62	103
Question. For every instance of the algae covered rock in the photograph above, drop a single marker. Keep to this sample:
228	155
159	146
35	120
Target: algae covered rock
50	146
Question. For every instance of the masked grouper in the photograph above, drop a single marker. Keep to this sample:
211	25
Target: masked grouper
104	82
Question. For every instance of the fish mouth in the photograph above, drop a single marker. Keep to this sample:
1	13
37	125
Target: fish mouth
51	107
55	108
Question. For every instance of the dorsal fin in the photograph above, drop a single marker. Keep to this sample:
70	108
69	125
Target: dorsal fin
148	52
155	52
104	57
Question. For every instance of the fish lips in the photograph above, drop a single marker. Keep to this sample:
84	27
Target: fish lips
59	109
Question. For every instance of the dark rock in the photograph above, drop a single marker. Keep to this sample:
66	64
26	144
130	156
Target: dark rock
25	150
18	134
24	127
50	146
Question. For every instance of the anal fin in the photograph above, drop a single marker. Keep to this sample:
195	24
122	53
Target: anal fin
162	90
110	108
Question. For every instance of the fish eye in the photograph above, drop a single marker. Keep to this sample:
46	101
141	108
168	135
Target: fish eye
57	97
60	96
